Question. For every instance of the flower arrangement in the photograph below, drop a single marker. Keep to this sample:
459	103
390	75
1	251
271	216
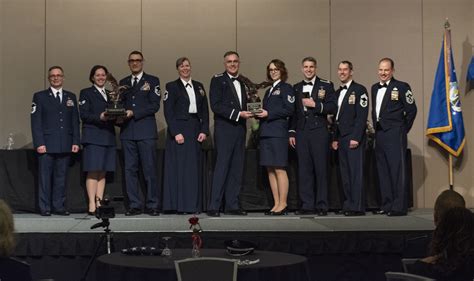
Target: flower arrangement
196	238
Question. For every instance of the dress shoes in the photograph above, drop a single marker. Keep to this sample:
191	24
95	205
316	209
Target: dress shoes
322	213
153	212
340	212
133	212
61	213
353	213
305	212
45	213
283	212
91	213
268	213
396	214
238	212
379	212
213	213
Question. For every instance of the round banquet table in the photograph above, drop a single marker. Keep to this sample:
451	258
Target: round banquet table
273	266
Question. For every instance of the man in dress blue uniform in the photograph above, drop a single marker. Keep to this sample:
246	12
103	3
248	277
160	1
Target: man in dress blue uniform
349	138
393	113
55	130
229	104
139	134
315	99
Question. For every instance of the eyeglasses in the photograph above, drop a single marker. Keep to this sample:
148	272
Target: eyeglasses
56	76
232	62
273	70
137	60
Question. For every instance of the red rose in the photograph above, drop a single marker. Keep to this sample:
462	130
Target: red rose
194	220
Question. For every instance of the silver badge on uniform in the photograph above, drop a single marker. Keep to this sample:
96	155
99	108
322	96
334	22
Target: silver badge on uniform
145	87
276	92
69	102
291	99
409	97
201	91
158	90
33	108
364	100
352	98
82	102
321	93
394	95
165	96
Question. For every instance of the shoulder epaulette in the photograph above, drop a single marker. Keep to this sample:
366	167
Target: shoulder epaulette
325	81
219	75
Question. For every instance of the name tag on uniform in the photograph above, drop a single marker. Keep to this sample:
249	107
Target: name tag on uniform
394	95
321	93
352	98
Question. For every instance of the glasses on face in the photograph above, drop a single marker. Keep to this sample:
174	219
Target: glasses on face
56	76
273	70
232	62
135	61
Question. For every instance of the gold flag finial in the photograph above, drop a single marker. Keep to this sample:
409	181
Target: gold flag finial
446	24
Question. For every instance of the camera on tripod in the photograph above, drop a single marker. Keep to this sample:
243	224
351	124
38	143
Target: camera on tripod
105	211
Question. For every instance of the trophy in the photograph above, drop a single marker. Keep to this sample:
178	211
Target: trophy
254	103
114	91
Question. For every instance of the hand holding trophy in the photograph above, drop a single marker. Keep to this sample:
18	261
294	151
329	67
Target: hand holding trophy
254	103
115	109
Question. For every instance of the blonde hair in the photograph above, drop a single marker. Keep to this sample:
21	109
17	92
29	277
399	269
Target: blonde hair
7	241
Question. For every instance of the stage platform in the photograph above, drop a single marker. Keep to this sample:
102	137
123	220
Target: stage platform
337	247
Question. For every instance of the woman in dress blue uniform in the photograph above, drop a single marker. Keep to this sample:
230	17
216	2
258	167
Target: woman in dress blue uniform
278	106
98	136
187	116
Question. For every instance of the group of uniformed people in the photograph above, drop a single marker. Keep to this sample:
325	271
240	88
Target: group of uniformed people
296	115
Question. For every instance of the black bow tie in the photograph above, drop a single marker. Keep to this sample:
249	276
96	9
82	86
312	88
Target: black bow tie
233	79
384	85
343	87
188	85
307	83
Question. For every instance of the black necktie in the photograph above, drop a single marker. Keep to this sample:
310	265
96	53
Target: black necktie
343	87
58	98
307	83
384	85
135	81
188	85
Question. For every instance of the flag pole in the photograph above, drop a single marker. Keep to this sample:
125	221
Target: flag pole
451	182
450	157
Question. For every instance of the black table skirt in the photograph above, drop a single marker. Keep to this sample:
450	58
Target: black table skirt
272	266
19	169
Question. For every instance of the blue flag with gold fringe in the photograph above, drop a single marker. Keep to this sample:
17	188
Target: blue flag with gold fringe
445	122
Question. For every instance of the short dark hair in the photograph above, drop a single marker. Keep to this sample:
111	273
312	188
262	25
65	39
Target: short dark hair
55	67
392	63
348	63
228	53
181	60
136	53
311	59
448	199
94	69
280	65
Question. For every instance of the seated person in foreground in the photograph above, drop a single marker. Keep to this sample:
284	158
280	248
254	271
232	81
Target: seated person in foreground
451	250
10	269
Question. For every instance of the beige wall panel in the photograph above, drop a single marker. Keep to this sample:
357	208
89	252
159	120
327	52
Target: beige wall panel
201	30
22	65
460	14
288	30
80	34
368	33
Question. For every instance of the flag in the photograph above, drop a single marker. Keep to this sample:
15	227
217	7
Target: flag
470	70
445	123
